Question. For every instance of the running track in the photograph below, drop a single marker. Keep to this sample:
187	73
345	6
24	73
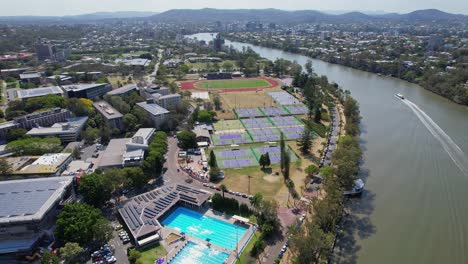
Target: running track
191	86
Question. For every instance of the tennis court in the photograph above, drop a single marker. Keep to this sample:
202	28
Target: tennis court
248	112
265	134
285	121
273	111
261	122
298	109
247	157
228	125
230	139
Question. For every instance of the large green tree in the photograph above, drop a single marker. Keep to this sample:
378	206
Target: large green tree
71	253
187	139
96	189
34	146
82	224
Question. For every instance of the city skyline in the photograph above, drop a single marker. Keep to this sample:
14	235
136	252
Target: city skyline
65	8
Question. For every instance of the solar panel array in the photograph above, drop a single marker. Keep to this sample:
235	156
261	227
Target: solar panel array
284	98
26	197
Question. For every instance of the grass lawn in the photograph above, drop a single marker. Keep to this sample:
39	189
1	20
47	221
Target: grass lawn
260	181
151	254
228	125
245	257
234	83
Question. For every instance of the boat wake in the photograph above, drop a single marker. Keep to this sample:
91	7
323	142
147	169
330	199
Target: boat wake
453	150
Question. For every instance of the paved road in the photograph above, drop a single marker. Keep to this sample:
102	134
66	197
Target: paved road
173	176
151	77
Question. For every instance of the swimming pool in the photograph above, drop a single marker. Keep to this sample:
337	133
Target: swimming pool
194	224
194	253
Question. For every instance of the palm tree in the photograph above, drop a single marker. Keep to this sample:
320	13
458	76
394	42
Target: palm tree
223	188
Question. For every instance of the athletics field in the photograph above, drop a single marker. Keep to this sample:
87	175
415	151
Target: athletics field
231	85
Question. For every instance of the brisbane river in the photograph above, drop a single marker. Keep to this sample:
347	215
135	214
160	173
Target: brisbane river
415	165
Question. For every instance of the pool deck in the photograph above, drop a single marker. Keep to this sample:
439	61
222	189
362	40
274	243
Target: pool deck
174	248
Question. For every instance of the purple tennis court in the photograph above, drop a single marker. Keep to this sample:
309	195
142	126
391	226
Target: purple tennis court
284	98
256	123
298	109
230	139
282	121
274	111
248	112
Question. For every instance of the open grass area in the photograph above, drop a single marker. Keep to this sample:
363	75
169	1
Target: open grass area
116	79
245	257
233	83
149	255
260	181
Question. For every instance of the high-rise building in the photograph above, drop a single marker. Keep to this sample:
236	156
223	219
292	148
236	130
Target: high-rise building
218	43
45	50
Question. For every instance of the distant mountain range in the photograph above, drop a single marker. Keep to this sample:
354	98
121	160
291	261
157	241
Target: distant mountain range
79	18
262	15
303	16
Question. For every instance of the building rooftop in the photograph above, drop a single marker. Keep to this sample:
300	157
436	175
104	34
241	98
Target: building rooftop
35	92
31	199
124	89
134	62
30	75
112	156
77	166
142	212
107	110
70	127
81	87
153	109
45	164
170	96
143	135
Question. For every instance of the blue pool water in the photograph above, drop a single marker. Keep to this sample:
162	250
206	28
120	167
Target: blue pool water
194	224
194	253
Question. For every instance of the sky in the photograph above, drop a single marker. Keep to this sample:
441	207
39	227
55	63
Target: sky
75	7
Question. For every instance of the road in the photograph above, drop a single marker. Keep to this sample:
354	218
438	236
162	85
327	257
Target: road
172	176
151	77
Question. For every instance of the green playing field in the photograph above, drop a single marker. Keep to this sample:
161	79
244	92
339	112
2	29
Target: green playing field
234	83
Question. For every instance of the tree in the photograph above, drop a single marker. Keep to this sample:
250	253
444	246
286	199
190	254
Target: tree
187	139
96	189
205	116
90	135
34	146
105	134
305	142
130	122
282	151
217	102
134	255
310	243
82	224
317	115
136	177
262	161
71	253
223	188
49	258
212	161
228	66
215	172
309	68
311	170
15	133
5	168
256	200
267	159
286	169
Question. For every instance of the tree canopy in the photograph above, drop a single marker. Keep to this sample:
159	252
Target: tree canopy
187	139
34	146
96	189
82	224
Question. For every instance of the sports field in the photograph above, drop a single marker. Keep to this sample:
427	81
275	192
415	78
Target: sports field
233	83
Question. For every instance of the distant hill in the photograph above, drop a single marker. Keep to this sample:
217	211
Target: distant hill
77	18
304	16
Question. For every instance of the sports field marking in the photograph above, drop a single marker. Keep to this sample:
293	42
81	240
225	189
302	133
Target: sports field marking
230	84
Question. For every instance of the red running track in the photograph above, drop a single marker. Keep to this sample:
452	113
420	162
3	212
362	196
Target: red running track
191	86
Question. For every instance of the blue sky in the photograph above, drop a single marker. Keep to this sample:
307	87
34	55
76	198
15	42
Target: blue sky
73	7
